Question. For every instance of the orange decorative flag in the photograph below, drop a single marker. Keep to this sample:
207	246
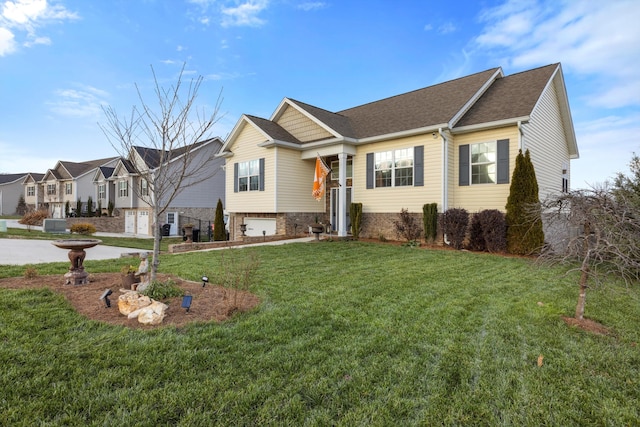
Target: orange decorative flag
322	170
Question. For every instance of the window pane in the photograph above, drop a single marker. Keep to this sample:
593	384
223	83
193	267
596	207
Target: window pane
384	160
383	178
254	167
404	176
243	169
254	183
243	184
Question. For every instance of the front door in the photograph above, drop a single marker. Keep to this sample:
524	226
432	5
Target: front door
172	220
335	195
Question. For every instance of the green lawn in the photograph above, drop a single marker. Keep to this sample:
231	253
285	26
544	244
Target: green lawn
348	333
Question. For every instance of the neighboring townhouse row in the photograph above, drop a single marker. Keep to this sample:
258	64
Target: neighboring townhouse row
115	185
453	143
10	191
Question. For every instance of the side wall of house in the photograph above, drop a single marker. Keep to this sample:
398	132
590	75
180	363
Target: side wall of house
204	194
11	193
393	199
245	149
475	198
544	136
295	182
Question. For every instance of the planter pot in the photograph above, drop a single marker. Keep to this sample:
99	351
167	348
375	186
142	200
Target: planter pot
128	280
317	229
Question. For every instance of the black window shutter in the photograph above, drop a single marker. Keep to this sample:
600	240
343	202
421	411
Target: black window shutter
235	177
369	170
503	161
262	174
463	170
418	165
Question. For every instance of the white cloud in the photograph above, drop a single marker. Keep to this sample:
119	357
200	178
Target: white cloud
309	6
86	101
245	14
447	28
23	17
596	39
7	42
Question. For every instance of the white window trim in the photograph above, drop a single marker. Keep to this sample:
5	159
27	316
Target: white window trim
495	163
393	167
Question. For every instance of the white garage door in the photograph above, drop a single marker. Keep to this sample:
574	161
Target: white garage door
130	222
255	226
143	223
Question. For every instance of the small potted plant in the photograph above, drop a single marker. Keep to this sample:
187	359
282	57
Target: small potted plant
128	276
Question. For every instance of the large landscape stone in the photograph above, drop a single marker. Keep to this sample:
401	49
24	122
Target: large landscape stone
131	301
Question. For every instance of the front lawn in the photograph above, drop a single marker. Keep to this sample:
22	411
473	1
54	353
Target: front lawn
348	333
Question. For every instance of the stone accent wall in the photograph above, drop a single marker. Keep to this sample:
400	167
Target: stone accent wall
194	215
105	224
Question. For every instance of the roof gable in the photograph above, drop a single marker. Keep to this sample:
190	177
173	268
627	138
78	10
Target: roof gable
509	97
13	177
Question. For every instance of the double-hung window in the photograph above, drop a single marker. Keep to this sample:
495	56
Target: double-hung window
483	163
249	176
144	187
394	168
102	191
31	190
123	189
68	188
51	189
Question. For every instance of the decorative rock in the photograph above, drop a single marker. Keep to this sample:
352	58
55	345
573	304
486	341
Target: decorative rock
152	314
132	301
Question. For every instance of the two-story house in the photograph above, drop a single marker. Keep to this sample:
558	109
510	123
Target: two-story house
132	185
68	182
453	143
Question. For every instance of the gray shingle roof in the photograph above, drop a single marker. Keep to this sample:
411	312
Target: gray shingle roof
273	129
509	97
11	177
425	107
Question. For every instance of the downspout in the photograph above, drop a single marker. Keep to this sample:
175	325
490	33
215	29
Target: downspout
445	176
520	136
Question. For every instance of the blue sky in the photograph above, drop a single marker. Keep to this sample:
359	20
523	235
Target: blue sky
62	60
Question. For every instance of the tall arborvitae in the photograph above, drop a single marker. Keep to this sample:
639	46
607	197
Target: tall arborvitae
524	233
219	231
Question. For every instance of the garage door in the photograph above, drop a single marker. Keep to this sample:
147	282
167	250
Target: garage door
130	222
256	226
143	223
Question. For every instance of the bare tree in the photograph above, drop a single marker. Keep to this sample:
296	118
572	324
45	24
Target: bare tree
166	145
600	236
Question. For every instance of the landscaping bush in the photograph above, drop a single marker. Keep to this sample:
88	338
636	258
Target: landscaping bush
455	225
158	290
90	207
21	208
219	231
476	237
407	227
488	231
67	209
524	232
355	212
33	218
430	221
83	228
79	208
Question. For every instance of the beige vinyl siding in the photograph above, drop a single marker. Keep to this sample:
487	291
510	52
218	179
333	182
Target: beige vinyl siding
544	137
393	199
295	182
300	126
246	148
31	200
475	198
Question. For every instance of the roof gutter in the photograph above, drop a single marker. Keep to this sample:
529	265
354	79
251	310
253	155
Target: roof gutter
491	125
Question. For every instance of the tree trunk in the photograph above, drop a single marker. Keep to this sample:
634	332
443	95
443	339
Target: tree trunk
584	274
156	245
582	297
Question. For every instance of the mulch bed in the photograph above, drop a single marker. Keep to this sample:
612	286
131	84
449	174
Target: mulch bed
209	303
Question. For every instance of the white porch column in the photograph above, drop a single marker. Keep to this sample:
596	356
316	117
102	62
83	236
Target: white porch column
342	195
